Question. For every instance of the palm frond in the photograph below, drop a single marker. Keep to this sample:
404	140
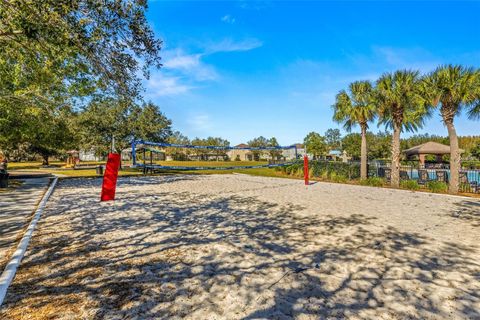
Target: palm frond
355	107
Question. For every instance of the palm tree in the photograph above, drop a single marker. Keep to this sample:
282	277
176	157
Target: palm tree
452	89
401	106
356	108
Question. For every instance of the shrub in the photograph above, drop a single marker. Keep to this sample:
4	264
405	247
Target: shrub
472	164
409	184
437	186
332	175
339	178
324	175
372	181
349	170
326	170
299	172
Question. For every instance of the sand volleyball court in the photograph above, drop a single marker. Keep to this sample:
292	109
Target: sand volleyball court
242	247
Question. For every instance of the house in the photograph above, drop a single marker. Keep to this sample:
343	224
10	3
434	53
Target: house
239	154
88	155
291	154
334	155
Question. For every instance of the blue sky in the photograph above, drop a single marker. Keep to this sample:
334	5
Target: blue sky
241	69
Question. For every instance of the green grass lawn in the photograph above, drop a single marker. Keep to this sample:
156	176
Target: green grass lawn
31	165
36	165
87	172
207	163
264	172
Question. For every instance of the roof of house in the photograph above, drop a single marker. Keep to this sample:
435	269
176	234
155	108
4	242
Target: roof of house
242	145
429	148
299	145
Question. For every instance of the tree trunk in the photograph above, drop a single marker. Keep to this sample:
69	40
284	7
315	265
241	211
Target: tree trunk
454	158
45	160
363	152
395	178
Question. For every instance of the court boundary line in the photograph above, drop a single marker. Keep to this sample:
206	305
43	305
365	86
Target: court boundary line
10	270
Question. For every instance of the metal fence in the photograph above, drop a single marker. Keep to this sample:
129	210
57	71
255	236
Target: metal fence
469	178
423	175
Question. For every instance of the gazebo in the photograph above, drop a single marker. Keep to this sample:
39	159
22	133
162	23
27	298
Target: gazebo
433	148
141	148
73	158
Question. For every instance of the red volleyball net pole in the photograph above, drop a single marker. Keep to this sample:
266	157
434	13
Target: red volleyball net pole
305	169
110	177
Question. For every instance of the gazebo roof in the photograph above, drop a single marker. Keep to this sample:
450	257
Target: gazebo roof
429	148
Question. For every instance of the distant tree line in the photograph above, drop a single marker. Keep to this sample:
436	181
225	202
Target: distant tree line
379	144
219	154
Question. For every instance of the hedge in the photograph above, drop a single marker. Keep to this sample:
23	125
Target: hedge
326	170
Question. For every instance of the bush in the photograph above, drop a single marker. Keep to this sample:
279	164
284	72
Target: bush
373	182
325	170
409	184
324	175
339	178
472	164
299	172
437	186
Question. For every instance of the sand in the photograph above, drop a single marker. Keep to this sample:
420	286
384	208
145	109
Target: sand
243	247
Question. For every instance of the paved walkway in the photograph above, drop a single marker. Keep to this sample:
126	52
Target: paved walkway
16	208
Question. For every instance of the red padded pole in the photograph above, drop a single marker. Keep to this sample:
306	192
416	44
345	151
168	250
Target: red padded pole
305	169
110	177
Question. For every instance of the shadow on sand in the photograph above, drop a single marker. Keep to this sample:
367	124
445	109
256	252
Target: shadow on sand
173	255
468	211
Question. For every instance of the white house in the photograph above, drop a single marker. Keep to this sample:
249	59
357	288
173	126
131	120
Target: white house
289	154
88	155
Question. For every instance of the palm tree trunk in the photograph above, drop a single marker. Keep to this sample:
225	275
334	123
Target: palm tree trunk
454	158
395	178
363	154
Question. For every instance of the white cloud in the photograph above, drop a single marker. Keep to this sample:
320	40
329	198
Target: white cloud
180	60
228	19
189	65
228	45
200	122
162	85
184	71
